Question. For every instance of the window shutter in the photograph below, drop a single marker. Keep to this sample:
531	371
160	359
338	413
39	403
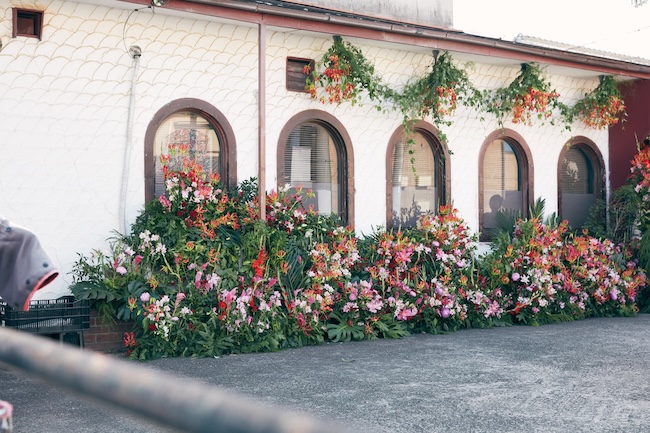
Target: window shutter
296	77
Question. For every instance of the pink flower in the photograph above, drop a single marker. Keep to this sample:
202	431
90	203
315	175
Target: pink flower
120	270
145	297
445	312
179	297
515	276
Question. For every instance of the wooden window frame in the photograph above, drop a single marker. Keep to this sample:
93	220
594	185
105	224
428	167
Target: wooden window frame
217	120
592	152
35	16
440	154
524	157
345	156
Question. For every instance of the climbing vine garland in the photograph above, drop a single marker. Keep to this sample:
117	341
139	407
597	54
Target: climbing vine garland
603	106
344	73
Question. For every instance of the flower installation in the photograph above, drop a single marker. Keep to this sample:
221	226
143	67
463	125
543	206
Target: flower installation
437	94
201	275
341	75
639	181
602	107
529	96
640	174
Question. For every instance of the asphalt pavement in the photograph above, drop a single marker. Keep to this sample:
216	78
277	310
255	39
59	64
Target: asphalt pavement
587	376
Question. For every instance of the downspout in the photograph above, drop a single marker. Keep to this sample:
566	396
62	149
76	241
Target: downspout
135	52
261	110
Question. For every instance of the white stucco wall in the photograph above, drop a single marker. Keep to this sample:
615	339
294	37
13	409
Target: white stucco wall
64	105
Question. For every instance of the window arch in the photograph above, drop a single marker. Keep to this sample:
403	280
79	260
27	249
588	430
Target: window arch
315	152
201	126
505	178
581	174
417	175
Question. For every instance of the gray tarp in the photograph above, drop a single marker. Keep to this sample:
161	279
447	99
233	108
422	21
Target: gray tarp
24	266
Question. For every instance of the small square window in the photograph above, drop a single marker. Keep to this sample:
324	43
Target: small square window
27	23
296	76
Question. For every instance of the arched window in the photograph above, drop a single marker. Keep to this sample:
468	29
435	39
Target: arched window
416	174
580	180
505	179
314	153
199	127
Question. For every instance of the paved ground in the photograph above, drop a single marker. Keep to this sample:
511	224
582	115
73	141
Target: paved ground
586	376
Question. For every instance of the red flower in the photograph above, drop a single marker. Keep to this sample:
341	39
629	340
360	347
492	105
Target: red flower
259	265
129	340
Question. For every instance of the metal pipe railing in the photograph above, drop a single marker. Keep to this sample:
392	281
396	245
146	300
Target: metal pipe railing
191	407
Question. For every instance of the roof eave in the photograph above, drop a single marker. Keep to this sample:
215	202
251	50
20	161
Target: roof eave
420	36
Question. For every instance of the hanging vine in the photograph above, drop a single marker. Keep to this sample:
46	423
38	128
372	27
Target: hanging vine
438	93
343	74
603	106
528	97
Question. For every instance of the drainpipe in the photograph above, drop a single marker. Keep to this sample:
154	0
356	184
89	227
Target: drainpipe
261	110
135	52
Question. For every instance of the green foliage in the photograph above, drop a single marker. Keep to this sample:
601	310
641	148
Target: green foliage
342	331
506	219
617	221
388	328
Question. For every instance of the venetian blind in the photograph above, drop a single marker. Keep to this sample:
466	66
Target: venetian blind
310	157
501	168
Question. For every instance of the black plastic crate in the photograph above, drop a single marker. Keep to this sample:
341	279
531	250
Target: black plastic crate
48	316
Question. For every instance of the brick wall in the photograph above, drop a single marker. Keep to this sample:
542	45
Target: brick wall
104	336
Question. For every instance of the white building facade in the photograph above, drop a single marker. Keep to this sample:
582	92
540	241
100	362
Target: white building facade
77	111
